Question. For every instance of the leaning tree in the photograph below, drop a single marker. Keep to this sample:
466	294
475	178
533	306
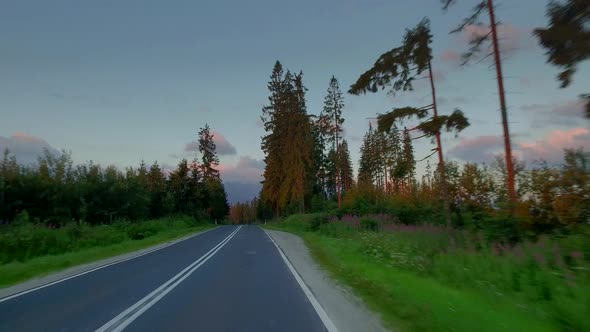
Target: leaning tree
396	70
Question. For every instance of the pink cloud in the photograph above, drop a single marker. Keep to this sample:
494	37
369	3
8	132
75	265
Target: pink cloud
246	170
566	113
26	148
450	56
551	147
222	145
479	149
511	38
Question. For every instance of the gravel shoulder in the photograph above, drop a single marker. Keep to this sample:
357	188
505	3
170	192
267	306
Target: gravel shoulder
346	310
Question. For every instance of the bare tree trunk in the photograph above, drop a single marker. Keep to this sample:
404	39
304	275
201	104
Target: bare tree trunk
441	162
386	183
337	161
507	145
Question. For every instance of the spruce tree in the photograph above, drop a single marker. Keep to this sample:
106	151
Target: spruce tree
209	158
333	105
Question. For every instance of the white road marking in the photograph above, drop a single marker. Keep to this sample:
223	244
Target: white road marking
97	268
314	302
130	314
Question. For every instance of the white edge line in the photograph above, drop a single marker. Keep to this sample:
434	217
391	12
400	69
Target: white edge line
177	279
9	297
314	302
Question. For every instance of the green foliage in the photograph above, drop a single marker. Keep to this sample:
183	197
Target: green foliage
529	286
399	67
54	192
370	224
289	176
24	240
386	121
317	221
567	37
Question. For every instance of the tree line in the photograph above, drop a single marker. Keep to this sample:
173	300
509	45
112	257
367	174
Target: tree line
308	164
54	191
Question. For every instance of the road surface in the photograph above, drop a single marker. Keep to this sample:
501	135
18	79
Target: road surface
232	278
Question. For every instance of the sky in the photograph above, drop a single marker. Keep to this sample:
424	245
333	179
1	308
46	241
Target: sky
120	81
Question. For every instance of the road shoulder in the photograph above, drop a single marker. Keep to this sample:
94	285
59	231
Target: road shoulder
346	310
79	269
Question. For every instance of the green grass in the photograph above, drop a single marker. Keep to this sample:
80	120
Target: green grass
417	283
17	271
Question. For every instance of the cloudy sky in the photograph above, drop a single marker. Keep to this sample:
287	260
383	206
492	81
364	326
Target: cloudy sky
118	81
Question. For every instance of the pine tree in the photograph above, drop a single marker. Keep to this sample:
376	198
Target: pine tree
209	158
409	163
156	185
346	167
333	105
566	39
475	49
397	69
272	145
289	144
215	197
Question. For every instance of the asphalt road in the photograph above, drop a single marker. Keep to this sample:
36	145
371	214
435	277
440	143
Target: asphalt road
229	279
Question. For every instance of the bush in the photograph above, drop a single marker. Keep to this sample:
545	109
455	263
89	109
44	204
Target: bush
503	229
24	240
317	221
370	224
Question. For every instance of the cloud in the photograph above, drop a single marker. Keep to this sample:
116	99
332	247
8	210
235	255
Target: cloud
26	148
550	148
567	113
242	179
241	192
478	149
222	145
511	38
450	56
246	170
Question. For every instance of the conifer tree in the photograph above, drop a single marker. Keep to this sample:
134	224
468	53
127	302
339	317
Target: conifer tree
333	105
397	69
475	48
209	158
567	39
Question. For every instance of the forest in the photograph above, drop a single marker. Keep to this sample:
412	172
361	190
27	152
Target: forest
507	232
308	165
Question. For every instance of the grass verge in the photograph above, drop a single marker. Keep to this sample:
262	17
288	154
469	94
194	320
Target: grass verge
18	271
409	299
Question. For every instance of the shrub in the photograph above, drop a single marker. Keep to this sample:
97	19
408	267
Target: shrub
370	224
317	221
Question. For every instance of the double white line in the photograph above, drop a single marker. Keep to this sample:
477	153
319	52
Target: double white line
128	316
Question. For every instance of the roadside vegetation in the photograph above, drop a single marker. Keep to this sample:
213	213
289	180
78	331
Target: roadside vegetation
422	277
32	250
457	246
54	214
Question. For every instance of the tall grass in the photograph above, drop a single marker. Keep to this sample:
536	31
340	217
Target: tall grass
547	280
24	240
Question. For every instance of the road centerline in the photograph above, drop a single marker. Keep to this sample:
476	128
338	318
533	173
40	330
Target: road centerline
126	317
